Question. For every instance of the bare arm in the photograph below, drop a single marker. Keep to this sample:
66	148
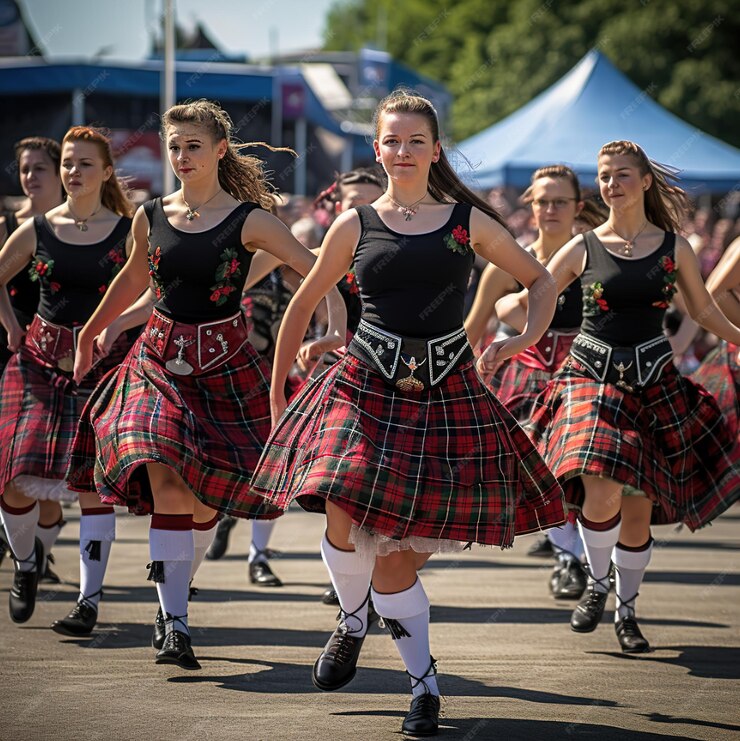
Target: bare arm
125	289
699	303
15	255
566	266
333	262
725	280
494	283
266	232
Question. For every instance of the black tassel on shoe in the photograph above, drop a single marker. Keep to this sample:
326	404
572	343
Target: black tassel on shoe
396	629
93	550
156	572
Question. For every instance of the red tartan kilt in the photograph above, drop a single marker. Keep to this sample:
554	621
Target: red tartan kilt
450	463
40	407
671	442
518	387
719	374
210	429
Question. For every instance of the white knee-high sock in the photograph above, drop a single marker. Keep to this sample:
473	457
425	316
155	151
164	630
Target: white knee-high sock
20	528
599	539
48	535
566	540
410	610
203	535
350	574
630	564
97	533
171	545
261	533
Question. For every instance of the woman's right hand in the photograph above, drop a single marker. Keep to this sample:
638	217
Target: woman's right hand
15	337
83	358
278	403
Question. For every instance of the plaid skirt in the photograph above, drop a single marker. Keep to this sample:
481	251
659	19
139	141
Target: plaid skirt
40	407
447	464
670	443
719	374
210	429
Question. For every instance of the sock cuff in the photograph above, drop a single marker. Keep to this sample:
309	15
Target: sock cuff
341	562
600	538
399	605
107	510
171	522
59	523
209	525
16	510
633	558
609	524
99	526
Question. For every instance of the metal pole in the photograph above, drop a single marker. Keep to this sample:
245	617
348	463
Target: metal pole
276	128
168	85
78	107
301	131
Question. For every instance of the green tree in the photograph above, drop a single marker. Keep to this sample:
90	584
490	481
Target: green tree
495	56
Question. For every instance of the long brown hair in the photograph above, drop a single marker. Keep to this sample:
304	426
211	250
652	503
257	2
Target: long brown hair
444	184
112	194
241	176
666	205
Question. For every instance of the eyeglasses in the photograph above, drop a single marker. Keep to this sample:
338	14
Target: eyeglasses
558	203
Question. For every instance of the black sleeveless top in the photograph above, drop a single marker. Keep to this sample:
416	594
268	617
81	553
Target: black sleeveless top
74	277
24	293
414	284
198	277
625	300
569	308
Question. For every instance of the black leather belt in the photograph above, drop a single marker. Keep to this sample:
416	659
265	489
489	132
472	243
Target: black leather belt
628	368
406	363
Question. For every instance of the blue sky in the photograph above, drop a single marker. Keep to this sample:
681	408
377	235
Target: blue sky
122	28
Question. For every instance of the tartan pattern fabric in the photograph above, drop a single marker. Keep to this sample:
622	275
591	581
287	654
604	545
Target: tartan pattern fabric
520	380
39	410
670	442
518	387
719	374
449	463
209	429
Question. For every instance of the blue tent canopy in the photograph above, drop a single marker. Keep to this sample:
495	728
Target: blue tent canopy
569	122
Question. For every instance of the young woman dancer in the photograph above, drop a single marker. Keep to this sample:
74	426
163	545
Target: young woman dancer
632	441
37	159
74	250
399	442
719	372
555	197
192	376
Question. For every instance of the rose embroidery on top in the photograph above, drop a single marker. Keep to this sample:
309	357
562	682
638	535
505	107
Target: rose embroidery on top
153	259
593	300
351	279
118	258
669	282
458	240
41	270
227	273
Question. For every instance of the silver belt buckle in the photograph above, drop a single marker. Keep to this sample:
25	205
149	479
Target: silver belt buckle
178	365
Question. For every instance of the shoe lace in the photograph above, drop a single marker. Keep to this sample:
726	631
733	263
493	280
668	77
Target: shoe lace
343	615
416	681
627	604
85	600
172	619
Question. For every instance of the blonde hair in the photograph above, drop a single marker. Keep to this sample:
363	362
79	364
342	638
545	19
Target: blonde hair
666	205
241	176
113	194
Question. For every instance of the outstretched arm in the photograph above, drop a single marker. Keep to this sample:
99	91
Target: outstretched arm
724	281
700	304
333	262
492	241
494	283
126	288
